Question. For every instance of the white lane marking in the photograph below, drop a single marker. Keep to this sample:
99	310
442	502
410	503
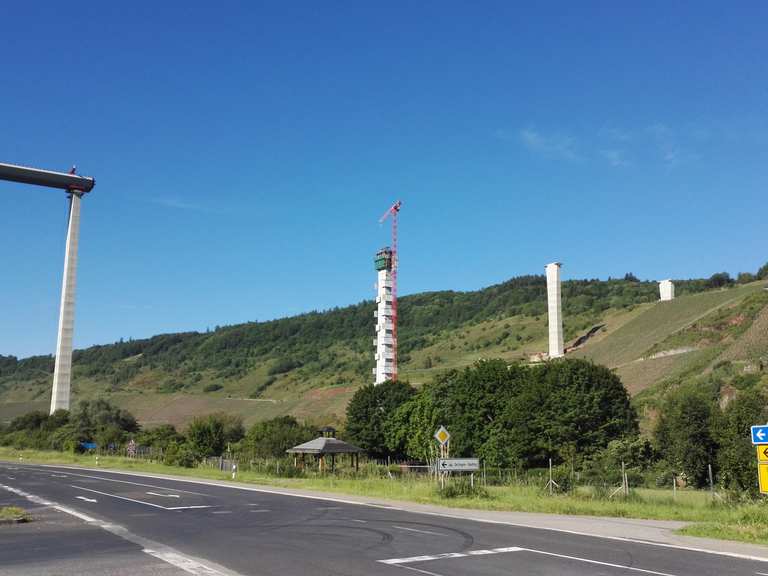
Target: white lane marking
427	558
762	573
86	499
263	490
599	563
183	562
128	482
75	513
165	553
136	501
11	477
164	495
420	571
222	512
412	559
261	510
58	475
419	531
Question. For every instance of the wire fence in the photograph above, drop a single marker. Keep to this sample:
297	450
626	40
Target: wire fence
616	483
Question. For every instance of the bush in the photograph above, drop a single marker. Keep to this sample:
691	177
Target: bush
461	487
212	387
273	437
179	455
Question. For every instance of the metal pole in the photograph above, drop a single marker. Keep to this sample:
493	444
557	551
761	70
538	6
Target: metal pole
711	483
62	373
550	477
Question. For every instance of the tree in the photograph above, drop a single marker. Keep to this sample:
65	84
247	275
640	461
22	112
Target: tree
92	417
159	437
566	404
719	280
736	456
745	278
762	273
368	411
273	437
509	414
683	434
205	436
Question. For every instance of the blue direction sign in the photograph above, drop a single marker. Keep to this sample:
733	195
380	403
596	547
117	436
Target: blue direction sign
760	434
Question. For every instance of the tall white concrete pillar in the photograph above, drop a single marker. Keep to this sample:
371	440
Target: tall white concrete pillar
555	318
385	340
666	290
62	373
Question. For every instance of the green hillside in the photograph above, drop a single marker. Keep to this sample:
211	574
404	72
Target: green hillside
310	365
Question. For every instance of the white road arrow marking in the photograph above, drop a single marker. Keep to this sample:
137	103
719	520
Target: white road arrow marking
86	499
163	495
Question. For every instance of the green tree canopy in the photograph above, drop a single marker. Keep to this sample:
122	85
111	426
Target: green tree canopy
367	414
683	434
516	413
273	437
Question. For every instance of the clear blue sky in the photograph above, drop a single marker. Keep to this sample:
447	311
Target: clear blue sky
243	152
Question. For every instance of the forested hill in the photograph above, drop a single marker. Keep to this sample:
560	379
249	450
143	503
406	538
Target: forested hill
281	361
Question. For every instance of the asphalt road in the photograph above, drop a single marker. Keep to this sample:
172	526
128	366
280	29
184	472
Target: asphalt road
220	530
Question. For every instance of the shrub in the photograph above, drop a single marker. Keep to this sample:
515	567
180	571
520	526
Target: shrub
212	387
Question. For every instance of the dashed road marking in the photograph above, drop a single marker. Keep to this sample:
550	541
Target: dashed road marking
165	553
92	500
164	495
137	501
278	492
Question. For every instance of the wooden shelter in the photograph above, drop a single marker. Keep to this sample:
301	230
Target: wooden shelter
324	446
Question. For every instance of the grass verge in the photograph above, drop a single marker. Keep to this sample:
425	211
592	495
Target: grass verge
13	514
742	522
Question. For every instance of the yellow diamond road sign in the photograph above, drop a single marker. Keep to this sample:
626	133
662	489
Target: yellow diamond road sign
762	453
442	436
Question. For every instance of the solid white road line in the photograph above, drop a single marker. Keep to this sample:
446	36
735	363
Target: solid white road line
164	495
427	513
420	571
419	531
137	501
412	559
86	499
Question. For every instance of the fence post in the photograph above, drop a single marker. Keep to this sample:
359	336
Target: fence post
674	486
711	483
550	477
624	481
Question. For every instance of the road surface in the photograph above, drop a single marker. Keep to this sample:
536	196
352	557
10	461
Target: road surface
169	527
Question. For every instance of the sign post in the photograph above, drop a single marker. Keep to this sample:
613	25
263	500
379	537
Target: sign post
760	441
443	438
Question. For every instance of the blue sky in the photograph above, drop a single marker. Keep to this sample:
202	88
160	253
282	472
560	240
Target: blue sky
243	152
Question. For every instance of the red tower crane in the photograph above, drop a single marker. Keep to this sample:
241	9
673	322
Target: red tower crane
393	211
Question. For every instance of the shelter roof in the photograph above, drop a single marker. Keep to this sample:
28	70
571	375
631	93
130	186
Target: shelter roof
324	445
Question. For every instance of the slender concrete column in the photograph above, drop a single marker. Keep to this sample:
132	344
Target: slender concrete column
555	317
62	372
